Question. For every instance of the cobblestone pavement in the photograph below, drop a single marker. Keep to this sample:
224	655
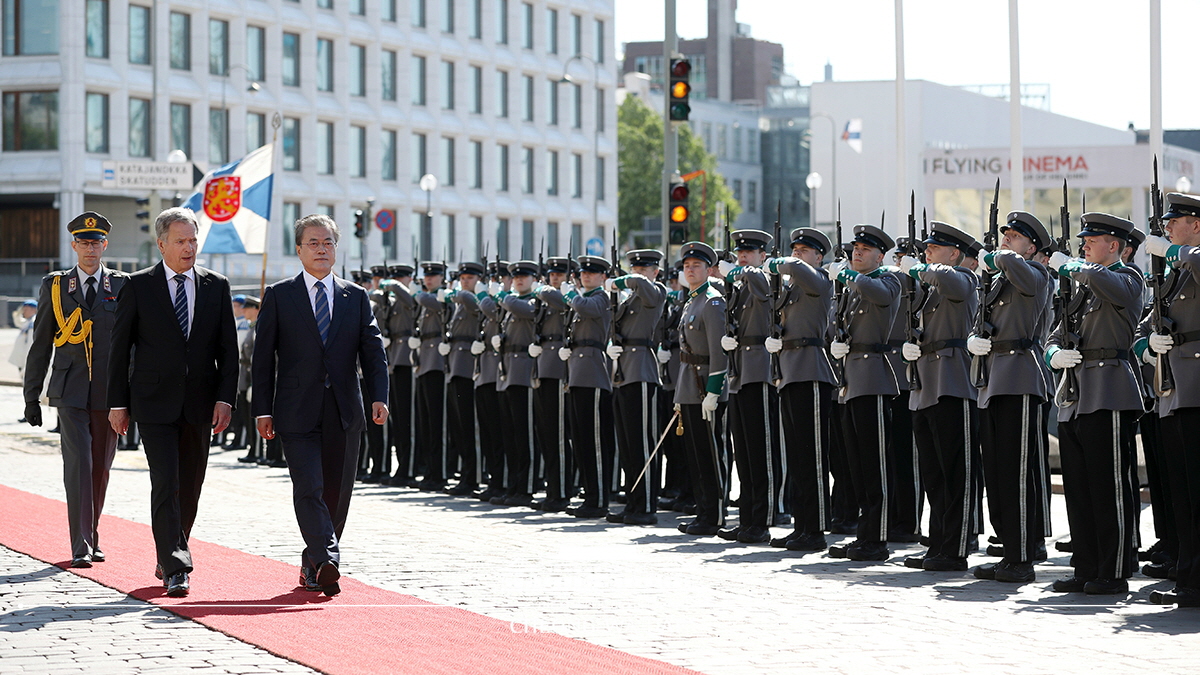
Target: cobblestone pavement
716	607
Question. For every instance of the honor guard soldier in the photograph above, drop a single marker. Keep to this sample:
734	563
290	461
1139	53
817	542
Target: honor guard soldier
487	401
905	496
430	390
870	310
589	383
700	387
400	326
1100	400
377	459
1179	407
676	493
250	307
753	400
550	396
636	384
75	317
942	398
1011	433
806	385
465	324
515	384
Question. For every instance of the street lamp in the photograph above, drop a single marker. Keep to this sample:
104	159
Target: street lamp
1184	184
832	159
566	78
428	184
813	181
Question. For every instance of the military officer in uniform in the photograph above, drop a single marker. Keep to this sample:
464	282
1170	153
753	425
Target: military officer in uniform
942	399
514	386
550	395
806	386
73	326
430	390
905	495
676	492
397	329
870	382
464	328
376	461
487	401
250	308
636	384
1100	400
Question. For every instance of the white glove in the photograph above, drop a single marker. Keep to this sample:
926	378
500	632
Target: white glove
1157	245
614	351
535	350
708	407
496	342
413	288
729	343
906	264
414	342
477	347
1150	358
444	348
839	350
979	346
494	288
1066	358
1161	344
566	287
773	345
835	268
441	295
457	285
726	267
1058	259
663	355
564	353
608	284
910	351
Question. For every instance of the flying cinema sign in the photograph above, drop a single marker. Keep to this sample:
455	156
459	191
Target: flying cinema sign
1036	168
1093	166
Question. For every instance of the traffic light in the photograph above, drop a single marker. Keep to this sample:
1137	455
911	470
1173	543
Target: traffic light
681	70
143	213
677	211
360	223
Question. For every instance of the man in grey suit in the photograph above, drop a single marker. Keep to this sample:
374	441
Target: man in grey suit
76	313
312	332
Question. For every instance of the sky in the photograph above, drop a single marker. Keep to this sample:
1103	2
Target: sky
1094	54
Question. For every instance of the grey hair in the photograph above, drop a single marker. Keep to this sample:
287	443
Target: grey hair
176	214
316	220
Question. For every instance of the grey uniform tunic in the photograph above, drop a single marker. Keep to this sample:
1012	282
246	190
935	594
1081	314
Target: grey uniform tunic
551	334
752	316
638	319
464	329
899	330
1017	306
589	366
516	336
432	330
871	308
1112	305
948	314
806	311
673	312
489	360
703	364
1184	311
399	326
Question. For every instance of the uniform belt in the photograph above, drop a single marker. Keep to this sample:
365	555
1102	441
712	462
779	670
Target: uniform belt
404	333
800	343
636	342
895	344
694	359
1184	338
751	340
1095	354
1011	345
870	348
552	337
514	349
431	337
943	344
461	338
586	343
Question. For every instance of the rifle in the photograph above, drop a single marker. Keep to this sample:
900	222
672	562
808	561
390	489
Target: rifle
539	317
924	226
613	336
983	321
912	331
730	317
1164	380
776	285
1068	384
839	318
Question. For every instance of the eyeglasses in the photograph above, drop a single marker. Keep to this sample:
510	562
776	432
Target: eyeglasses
90	243
318	245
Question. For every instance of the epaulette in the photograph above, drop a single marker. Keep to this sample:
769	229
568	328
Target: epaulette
711	292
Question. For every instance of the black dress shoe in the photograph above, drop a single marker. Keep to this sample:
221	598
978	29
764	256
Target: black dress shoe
1187	597
925	541
553	505
81	561
248	459
158	574
782	520
431	485
807	542
588	511
915	562
327	578
1015	572
868	551
1163	597
489	493
682	505
839	551
1069	585
519	500
944	563
689	508
498	500
995	551
666	504
617	518
374	478
1157	571
177	585
904	537
98	555
308	580
1106	587
277	464
994	539
730	534
987	571
462	489
702	530
641	519
782	542
1063	546
754	535
844	528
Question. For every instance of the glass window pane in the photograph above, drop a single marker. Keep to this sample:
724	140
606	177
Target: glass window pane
526	239
502	168
600	179
476	89
325	4
476	164
387	10
256	131
552	172
139	127
501	93
417	80
30	27
502	238
576	175
477	235
576	35
291	144
218	137
255	53
387	71
181	41
476	18
358	152
324	64
291	59
447	85
552	102
447	176
552	31
599	37
139	34
325	147
358	7
97	123
502	22
527	98
291	213
576	106
417	9
448	16
417	157
97	28
526	25
448	227
388	154
218	47
358	70
181	127
551	238
527	170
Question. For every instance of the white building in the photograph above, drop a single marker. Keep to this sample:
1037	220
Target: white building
370	95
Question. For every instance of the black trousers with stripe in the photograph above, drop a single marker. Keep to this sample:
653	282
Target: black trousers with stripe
636	412
519	436
1158	480
843	500
905	495
945	438
866	428
804	416
553	438
400	419
1097	452
1181	445
675	475
376	461
431	424
491	445
460	424
754	426
593	440
709	474
1012	440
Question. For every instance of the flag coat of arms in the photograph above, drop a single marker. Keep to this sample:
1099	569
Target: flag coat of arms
233	204
852	134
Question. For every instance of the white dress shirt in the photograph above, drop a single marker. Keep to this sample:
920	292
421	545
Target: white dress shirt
84	276
189	290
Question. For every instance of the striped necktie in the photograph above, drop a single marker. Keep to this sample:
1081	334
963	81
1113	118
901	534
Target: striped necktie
181	307
321	310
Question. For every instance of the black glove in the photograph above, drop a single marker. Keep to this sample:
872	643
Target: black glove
33	414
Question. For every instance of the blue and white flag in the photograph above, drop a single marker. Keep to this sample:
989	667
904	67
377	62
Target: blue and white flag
852	134
233	204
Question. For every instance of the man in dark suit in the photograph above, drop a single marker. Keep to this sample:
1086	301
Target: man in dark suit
312	331
178	318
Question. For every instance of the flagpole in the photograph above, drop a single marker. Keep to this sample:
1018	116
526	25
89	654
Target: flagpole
1016	151
901	126
276	122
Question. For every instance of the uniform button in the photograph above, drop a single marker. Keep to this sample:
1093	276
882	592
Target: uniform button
1100	364
1012	351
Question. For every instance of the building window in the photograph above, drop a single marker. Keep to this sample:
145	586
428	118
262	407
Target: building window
576	238
447	16
218	47
477	234
737	144
502	22
752	196
576	175
502	238
256	45
476	89
324	4
97	28
97	123
387	10
324	64
417	9
722	132
447	161
30	27
526	239
291	59
476	164
418	80
181	127
358	152
552	102
358	70
737	189
451	244
325	148
181	41
552	172
552	31
291	213
527	98
218	136
358	7
599	109
502	168
501	93
526	25
599	41
256	131
476	19
576	35
551	238
527	170
139	34
576	106
291	144
417	157
447	85
388	154
139	127
387	73
599	179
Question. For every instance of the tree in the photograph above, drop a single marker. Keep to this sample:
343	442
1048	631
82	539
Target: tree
640	167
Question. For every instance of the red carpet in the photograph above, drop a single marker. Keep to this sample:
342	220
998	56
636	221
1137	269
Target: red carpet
256	600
